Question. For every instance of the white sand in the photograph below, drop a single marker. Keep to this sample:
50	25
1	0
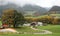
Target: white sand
8	30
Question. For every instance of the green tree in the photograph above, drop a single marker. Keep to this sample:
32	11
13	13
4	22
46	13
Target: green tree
19	19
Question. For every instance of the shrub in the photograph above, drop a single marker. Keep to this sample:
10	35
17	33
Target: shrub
45	19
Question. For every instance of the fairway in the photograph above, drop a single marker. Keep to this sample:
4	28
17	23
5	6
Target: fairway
0	23
54	28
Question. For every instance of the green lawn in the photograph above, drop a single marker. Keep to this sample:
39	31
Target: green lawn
0	22
30	35
27	29
54	28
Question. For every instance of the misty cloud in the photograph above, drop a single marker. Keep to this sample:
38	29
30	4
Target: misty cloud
43	3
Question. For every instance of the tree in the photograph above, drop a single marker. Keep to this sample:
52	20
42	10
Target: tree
19	19
12	17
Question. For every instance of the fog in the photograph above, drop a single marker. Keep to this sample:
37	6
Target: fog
42	3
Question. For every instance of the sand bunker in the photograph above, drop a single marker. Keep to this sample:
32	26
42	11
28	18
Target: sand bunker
8	30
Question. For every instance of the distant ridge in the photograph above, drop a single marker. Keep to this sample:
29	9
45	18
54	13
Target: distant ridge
55	8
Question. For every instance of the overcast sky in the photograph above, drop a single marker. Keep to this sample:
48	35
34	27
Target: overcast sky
42	3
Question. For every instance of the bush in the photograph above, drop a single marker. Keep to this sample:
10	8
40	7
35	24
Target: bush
45	19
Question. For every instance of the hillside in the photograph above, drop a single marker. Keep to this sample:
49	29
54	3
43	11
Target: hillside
28	7
34	8
56	9
10	6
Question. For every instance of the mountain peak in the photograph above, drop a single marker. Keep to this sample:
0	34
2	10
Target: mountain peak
55	8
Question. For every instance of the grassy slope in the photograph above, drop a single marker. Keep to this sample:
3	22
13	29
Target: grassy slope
56	14
45	16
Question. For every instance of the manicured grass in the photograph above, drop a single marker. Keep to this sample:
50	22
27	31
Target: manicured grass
0	23
54	28
29	34
27	29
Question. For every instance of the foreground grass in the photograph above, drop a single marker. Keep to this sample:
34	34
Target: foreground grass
0	22
29	34
54	28
27	29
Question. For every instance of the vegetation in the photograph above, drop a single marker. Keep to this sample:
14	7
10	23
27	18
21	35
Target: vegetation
51	19
19	19
0	23
27	29
54	28
55	15
32	13
12	17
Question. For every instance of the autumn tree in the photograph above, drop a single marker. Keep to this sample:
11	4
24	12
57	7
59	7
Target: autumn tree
12	17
